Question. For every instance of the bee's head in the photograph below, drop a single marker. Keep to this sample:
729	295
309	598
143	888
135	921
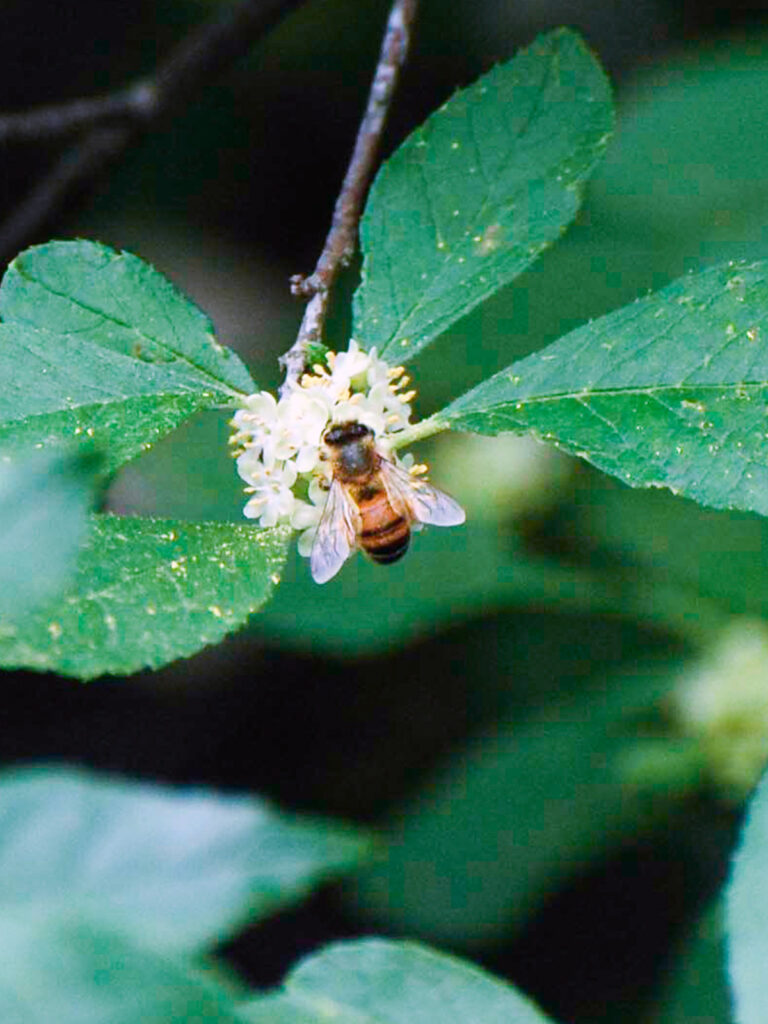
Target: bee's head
346	433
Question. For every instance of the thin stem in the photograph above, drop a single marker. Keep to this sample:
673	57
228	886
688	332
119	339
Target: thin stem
417	432
340	244
77	166
212	48
58	120
109	125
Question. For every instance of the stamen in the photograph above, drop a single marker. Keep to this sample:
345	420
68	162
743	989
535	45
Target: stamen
395	372
408	396
393	417
240	437
419	469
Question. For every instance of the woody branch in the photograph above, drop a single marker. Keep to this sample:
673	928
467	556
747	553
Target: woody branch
104	127
341	240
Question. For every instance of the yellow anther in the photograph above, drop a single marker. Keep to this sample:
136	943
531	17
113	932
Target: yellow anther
408	396
396	371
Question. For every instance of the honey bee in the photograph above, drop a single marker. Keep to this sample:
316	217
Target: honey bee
372	503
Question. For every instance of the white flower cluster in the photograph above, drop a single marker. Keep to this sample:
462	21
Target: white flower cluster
722	703
279	442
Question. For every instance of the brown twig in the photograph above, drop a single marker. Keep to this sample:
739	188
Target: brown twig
340	244
59	120
74	168
108	125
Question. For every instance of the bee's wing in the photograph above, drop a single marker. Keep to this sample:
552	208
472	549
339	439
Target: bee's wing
425	503
335	535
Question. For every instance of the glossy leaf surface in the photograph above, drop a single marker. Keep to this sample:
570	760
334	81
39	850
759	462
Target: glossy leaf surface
473	196
670	391
148	591
98	346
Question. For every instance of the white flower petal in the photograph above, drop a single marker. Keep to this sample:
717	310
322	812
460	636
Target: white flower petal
282	439
307	458
253	508
305	542
289	474
318	490
305	515
263	404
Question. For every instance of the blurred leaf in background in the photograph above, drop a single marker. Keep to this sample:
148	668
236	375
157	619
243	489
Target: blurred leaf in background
695	987
178	870
394	983
529	803
106	885
45	499
77	973
747	912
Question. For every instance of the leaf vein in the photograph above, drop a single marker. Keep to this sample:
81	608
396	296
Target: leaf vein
126	325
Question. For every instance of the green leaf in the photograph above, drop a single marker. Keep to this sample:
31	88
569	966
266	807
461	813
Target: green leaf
747	914
177	869
74	973
97	345
474	195
522	809
392	983
669	391
694	988
148	591
44	506
449	577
